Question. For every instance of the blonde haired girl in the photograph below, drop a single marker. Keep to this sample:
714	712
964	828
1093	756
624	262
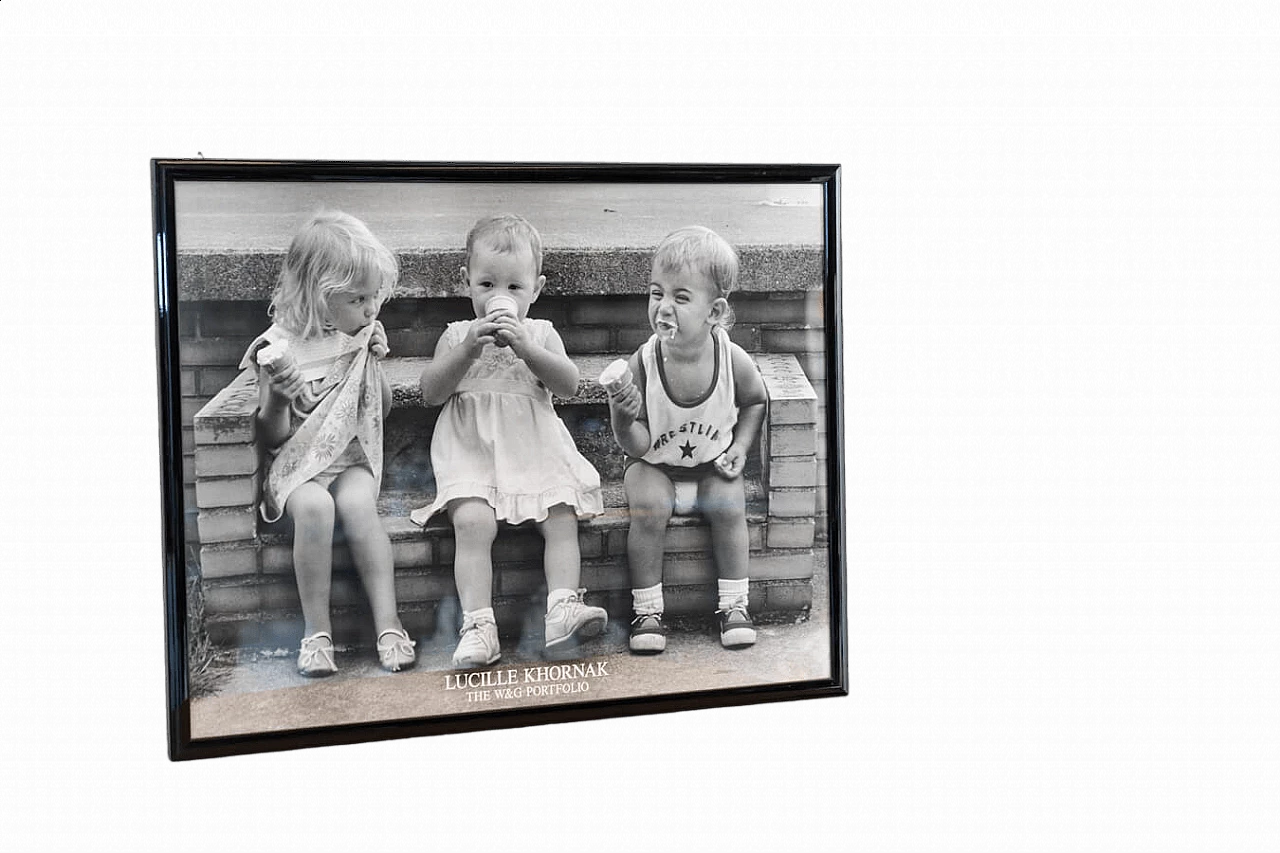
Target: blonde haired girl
323	399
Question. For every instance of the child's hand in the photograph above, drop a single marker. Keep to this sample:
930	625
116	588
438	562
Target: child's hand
479	333
286	382
511	332
730	463
624	406
378	341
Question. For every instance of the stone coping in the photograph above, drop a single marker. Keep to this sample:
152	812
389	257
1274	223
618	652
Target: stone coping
229	275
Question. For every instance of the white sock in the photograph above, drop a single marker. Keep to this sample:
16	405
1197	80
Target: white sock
648	601
733	592
483	614
558	595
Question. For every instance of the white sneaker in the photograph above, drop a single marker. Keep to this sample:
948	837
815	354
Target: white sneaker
479	644
571	619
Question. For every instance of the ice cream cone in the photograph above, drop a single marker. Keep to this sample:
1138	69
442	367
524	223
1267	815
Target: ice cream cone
616	377
274	356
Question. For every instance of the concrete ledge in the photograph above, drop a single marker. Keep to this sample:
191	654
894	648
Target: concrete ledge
251	275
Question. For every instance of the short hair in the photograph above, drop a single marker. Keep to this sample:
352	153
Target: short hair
696	248
504	233
701	249
332	252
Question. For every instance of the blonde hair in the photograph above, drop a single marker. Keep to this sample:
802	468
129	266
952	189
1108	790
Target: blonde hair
331	253
504	233
703	250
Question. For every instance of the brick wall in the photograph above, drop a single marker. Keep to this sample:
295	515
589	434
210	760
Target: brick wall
215	334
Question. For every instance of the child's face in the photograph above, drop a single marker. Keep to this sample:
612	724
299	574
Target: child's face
683	303
352	310
509	273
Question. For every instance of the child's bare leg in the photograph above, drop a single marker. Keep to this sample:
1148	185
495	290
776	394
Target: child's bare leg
474	528
569	618
561	560
650	498
310	507
723	503
355	500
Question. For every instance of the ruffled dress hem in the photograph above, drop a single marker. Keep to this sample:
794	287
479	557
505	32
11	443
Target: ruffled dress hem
514	509
498	439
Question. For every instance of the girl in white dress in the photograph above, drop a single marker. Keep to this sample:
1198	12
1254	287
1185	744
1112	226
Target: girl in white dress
499	451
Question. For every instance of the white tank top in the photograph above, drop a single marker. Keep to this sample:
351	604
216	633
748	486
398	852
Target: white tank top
686	435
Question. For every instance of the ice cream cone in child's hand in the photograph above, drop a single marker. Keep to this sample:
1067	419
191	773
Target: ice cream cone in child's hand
616	377
274	357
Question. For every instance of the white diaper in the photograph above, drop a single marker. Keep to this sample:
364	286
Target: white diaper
686	496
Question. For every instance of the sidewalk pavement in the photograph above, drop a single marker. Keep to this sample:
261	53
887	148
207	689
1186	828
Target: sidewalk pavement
264	693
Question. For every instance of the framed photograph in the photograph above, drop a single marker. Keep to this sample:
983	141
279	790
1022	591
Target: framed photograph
451	447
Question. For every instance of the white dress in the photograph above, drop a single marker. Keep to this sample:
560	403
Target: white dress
499	438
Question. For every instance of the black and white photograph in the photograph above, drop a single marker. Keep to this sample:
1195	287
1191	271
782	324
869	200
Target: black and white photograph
451	440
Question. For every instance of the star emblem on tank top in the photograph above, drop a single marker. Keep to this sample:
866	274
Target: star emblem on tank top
686	451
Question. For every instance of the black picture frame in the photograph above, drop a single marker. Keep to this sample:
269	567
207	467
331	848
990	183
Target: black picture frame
196	292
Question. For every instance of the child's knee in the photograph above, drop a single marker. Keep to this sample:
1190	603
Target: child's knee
561	521
724	514
355	506
650	496
310	508
561	514
473	523
722	502
355	491
650	520
475	530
